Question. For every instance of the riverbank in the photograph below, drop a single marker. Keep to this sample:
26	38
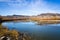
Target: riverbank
48	22
5	33
45	18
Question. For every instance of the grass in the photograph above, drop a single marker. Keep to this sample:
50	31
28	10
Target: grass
46	20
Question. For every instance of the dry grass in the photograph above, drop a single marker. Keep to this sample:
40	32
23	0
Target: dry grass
48	20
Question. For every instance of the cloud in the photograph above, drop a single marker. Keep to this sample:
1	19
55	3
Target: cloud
33	7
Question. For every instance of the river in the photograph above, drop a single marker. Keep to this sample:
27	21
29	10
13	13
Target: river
37	32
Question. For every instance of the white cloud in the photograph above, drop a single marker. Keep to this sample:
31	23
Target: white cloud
33	8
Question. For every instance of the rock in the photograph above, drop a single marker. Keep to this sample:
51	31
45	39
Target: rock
24	36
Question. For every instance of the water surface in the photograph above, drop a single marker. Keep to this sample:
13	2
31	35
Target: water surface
37	32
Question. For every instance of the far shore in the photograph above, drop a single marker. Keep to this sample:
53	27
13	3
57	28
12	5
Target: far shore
48	18
38	21
48	22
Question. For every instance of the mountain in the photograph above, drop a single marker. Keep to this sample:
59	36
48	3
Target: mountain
49	14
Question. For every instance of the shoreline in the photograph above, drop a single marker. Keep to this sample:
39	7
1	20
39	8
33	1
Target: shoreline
38	21
12	34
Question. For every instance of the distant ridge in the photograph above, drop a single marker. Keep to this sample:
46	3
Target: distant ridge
50	14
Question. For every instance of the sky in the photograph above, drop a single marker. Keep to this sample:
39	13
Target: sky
29	7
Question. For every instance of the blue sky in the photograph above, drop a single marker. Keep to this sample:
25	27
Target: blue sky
29	7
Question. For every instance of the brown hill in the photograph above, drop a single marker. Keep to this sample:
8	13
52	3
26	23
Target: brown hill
50	14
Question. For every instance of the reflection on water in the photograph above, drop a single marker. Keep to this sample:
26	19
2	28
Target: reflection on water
37	32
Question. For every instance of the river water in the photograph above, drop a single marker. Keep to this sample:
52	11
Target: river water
37	32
